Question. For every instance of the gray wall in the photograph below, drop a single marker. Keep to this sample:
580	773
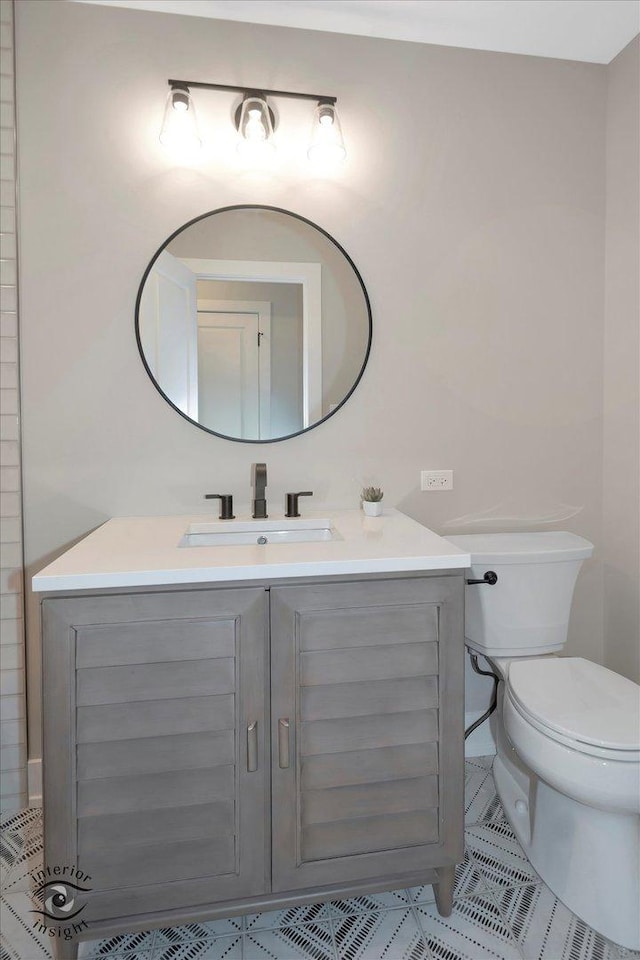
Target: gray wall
472	203
621	513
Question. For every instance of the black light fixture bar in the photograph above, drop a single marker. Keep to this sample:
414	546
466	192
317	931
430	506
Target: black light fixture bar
252	90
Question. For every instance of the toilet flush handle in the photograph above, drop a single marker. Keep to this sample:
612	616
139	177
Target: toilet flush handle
489	578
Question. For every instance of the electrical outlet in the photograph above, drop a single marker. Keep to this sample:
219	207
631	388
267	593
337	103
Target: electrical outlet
436	480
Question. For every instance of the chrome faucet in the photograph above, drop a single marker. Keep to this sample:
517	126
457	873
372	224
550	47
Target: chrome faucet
259	483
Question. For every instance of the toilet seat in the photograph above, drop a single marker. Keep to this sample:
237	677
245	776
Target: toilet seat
579	704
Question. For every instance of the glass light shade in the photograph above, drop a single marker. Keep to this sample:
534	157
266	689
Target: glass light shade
327	145
179	132
255	129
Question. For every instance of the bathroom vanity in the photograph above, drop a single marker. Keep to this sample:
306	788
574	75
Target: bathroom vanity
236	727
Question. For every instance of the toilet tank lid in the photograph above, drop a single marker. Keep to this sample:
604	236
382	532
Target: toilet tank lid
547	545
579	699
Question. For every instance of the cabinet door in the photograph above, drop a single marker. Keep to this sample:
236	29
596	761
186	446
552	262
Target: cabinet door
367	730
155	764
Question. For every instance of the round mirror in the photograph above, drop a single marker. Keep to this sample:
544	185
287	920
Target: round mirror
253	323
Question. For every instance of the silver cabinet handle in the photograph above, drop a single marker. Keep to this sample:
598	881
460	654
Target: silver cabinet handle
252	747
283	743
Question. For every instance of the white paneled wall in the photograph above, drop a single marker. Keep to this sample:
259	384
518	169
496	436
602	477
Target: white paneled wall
13	756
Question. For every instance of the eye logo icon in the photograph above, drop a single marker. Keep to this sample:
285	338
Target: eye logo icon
59	899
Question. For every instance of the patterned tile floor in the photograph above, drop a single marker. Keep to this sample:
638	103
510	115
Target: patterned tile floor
502	910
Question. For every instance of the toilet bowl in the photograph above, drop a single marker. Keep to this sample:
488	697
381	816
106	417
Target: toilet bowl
577	813
567	768
577	725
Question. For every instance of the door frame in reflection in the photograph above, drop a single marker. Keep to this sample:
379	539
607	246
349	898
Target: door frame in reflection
309	275
256	396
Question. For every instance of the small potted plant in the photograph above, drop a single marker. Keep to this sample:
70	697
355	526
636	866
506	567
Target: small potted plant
372	501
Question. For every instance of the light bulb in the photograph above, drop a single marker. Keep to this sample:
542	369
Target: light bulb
327	146
255	128
179	133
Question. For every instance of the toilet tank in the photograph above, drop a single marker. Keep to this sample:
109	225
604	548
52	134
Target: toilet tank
526	613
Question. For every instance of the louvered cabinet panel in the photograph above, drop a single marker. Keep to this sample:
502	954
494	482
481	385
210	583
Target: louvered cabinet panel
157	693
365	750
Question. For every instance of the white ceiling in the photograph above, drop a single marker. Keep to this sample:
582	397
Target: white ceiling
590	30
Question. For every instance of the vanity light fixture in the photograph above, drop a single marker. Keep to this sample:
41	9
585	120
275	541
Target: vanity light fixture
327	144
254	121
179	132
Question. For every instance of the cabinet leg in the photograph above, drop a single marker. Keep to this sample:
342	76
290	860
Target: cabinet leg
65	949
443	890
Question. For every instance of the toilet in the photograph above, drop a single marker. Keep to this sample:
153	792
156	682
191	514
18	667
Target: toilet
567	768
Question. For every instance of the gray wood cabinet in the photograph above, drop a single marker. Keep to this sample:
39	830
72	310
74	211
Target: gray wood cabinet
357	717
214	751
153	704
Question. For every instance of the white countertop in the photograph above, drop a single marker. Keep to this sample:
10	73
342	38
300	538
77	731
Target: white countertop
145	551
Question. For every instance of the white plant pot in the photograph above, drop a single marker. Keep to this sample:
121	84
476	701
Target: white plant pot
372	509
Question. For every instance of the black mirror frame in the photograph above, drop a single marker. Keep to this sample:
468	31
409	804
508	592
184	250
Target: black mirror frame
254	206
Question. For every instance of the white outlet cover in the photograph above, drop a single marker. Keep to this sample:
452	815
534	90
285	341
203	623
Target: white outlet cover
436	480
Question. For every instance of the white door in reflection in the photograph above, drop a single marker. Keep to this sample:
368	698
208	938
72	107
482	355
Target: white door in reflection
234	367
168	331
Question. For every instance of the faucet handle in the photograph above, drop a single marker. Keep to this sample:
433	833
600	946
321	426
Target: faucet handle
226	504
292	502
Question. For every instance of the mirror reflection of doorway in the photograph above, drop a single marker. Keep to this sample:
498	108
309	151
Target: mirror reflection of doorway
240	355
281	366
168	331
234	367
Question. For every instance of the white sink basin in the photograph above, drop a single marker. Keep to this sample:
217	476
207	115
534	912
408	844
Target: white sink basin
228	532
